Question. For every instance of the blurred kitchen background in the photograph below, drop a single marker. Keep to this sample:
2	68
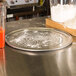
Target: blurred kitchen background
25	9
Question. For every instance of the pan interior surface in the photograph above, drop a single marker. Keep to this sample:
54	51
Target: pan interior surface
38	39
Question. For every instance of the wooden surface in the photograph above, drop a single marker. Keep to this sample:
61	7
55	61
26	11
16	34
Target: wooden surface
53	24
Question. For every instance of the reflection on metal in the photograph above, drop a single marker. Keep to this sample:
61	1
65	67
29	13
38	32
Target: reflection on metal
71	60
2	63
62	62
57	63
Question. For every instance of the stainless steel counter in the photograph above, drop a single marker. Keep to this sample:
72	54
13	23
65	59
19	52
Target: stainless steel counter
22	63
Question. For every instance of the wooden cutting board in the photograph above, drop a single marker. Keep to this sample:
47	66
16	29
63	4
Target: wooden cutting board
53	24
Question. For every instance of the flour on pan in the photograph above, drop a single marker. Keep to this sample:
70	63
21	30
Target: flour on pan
36	39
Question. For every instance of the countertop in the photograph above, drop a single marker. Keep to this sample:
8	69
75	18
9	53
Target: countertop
21	63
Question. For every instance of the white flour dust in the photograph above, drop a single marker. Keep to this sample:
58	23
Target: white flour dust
64	14
35	39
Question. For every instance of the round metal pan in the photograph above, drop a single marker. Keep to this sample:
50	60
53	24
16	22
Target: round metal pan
38	39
